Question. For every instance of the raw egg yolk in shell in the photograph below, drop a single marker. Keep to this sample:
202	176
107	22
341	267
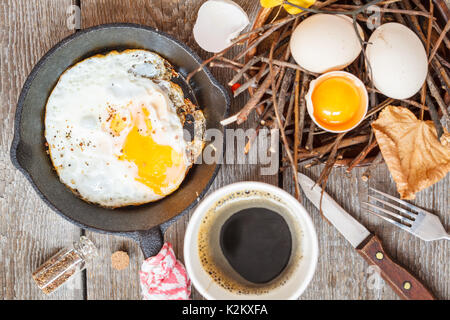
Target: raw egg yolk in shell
160	167
337	103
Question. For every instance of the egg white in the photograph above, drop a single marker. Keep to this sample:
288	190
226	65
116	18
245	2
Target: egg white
84	150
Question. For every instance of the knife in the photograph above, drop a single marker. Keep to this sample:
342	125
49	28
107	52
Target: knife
366	244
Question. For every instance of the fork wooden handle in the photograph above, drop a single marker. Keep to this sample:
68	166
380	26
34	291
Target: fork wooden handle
400	280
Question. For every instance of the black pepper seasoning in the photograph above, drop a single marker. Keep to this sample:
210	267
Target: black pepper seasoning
63	265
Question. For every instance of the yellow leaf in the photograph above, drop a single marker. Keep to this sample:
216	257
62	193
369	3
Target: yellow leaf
289	8
301	3
270	3
413	154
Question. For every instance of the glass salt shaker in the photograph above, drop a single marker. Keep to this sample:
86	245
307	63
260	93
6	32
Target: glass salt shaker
64	264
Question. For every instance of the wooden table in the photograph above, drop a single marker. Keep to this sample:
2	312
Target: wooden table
30	232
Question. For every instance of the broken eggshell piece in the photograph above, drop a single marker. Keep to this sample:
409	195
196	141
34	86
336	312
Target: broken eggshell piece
218	22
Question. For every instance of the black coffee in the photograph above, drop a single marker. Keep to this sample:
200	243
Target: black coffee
249	243
257	243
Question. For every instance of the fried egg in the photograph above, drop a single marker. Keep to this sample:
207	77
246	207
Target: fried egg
115	131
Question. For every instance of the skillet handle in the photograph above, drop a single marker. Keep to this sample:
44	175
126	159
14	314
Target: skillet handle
151	241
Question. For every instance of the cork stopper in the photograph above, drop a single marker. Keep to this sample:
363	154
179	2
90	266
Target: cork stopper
120	260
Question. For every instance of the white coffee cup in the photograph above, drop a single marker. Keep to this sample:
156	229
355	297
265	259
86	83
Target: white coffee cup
301	267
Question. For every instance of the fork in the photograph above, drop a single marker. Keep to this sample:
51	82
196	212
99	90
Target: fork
419	222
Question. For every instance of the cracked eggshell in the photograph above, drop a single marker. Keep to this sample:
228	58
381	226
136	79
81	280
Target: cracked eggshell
398	60
218	22
325	42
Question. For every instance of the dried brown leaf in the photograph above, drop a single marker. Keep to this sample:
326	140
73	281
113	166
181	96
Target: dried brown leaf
411	149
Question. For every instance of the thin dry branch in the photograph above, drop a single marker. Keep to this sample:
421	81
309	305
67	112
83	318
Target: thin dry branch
251	83
217	55
362	155
302	111
375	162
243	70
285	84
386	10
290	109
280	125
325	149
439	41
260	39
427	49
323	178
435	24
296	117
310	140
436	65
252	103
289	65
378	108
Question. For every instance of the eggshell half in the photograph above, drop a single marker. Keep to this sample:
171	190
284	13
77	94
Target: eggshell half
340	127
218	23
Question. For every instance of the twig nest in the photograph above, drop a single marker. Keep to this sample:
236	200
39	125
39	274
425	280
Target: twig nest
218	22
120	260
398	60
325	42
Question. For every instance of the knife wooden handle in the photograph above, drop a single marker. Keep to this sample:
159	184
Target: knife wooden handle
400	280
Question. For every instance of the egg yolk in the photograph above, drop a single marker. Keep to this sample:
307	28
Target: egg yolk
336	100
159	166
117	124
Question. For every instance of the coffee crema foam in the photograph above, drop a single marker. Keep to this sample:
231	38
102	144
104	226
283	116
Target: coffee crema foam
210	253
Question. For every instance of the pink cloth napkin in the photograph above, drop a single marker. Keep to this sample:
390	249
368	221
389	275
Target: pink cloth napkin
163	277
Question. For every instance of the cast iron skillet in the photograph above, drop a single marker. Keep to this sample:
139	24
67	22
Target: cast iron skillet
146	223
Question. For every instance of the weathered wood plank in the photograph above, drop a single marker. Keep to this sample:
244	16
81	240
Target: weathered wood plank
29	231
341	272
176	18
427	260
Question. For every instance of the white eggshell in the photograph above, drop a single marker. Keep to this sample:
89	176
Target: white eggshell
218	22
325	42
398	60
